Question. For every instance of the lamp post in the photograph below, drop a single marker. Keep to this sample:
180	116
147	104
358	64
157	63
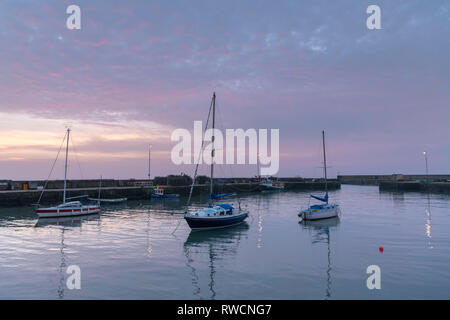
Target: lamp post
149	160
426	162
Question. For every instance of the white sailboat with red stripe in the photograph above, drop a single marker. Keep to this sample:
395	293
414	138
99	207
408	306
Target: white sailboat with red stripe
71	208
68	209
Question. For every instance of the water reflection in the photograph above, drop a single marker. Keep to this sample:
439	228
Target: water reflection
428	222
321	234
64	223
216	245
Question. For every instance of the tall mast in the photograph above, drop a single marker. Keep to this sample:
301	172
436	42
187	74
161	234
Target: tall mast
149	160
259	168
324	161
100	188
212	145
65	167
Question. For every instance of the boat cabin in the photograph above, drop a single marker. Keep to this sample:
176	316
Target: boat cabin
158	191
218	210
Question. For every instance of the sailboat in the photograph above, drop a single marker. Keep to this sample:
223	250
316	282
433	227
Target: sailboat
71	208
266	183
324	210
106	201
215	215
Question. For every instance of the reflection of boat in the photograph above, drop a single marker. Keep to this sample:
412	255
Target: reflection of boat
217	245
158	193
321	230
321	224
72	208
214	216
321	211
217	236
66	221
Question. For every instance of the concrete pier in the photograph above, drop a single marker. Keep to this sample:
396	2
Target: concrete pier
14	198
377	179
405	186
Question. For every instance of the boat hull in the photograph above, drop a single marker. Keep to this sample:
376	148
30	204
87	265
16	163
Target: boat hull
66	212
270	187
206	223
164	196
109	201
320	214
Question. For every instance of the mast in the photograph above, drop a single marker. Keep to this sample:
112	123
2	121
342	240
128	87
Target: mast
200	153
259	168
100	188
212	145
65	167
324	162
149	160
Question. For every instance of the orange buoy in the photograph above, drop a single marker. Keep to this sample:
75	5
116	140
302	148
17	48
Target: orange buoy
381	248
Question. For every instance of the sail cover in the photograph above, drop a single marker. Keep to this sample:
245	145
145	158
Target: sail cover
218	196
324	199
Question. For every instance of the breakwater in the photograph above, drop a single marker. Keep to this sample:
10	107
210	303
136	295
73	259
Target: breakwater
379	179
416	186
13	198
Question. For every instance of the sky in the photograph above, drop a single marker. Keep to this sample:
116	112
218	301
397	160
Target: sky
137	70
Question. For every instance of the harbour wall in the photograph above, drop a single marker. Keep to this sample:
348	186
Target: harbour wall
415	186
14	198
376	180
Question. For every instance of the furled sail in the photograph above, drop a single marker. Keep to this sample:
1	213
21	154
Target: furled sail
221	195
324	199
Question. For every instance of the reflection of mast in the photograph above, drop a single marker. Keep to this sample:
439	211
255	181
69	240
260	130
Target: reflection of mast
225	242
211	272
322	228
260	226
62	267
65	223
194	275
328	293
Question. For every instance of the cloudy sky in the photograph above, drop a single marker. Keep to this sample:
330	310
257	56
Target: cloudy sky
137	70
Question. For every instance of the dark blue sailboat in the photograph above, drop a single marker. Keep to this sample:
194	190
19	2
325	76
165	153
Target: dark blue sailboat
214	216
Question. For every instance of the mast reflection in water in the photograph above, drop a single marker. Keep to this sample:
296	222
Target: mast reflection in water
65	224
216	245
321	234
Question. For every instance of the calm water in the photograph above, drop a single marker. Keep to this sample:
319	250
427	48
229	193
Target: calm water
145	250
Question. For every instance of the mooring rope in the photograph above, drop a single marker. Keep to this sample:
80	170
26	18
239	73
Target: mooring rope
199	155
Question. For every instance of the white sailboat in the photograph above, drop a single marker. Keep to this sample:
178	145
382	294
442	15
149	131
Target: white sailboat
325	210
67	209
106	201
266	183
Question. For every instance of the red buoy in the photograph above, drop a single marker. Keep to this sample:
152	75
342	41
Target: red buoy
381	249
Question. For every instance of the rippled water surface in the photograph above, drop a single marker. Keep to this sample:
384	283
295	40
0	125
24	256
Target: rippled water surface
145	250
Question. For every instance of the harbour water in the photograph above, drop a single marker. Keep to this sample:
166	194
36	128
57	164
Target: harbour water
145	250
